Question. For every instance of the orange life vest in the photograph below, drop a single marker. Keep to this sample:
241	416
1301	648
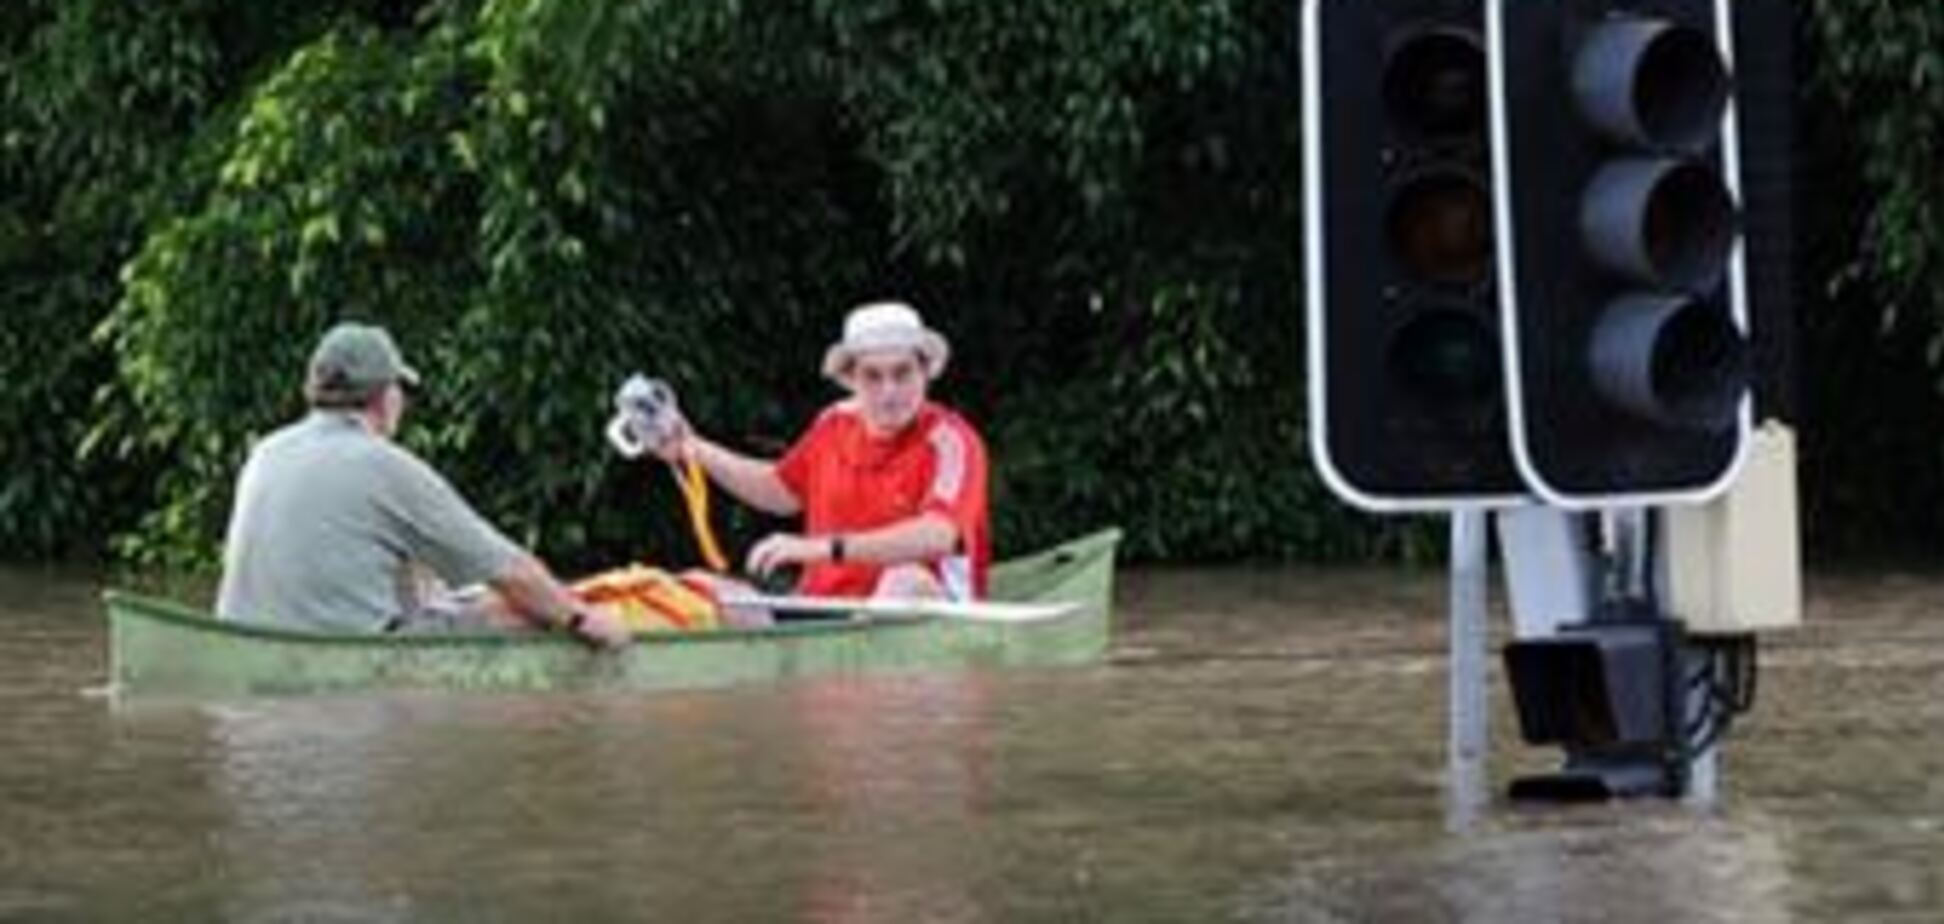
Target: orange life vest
652	600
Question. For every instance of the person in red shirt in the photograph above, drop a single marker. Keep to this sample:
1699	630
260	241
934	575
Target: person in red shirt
891	485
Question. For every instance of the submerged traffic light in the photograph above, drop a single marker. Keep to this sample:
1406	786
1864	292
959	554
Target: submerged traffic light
1612	693
1407	406
1596	685
1623	295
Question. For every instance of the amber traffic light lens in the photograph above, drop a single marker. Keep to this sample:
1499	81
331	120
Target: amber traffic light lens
1440	227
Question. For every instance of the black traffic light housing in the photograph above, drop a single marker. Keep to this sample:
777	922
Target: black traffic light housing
1594	685
1609	693
1623	293
1406	394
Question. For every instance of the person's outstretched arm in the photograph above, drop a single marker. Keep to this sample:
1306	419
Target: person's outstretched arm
532	592
751	480
452	539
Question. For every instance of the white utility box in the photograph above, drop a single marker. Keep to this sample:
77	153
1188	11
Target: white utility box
1734	565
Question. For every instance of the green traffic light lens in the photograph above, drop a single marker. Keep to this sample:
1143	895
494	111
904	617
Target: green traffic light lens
1446	356
1434	82
1440	227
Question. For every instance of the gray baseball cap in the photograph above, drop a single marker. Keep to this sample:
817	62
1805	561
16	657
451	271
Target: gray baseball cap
352	362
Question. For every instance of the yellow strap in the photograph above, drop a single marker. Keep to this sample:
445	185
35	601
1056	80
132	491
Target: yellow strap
695	495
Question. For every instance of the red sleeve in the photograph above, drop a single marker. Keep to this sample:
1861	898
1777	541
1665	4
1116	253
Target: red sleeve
794	467
958	484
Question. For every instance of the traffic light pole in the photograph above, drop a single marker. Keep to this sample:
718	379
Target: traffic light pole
1703	773
1469	728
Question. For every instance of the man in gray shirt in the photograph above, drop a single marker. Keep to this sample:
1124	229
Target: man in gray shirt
336	528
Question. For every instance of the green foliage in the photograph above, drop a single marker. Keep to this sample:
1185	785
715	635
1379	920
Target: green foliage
1094	199
1883	62
1186	421
1872	243
104	106
1097	200
330	201
95	99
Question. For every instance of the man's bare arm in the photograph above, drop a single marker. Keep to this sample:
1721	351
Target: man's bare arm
753	481
531	590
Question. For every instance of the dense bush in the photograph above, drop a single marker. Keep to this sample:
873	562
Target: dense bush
107	112
89	124
1093	199
1872	267
1098	201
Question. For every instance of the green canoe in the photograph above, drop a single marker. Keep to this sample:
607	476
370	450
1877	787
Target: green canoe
162	648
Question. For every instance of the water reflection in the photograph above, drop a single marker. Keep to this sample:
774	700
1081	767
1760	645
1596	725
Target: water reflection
316	796
840	802
887	766
1643	863
1265	746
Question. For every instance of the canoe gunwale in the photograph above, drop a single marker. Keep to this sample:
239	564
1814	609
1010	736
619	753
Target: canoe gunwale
1074	554
176	614
160	647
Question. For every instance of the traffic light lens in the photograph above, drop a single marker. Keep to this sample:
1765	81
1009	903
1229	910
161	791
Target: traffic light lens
1680	91
1440	227
1447	356
1689	228
1651	84
1699	369
1434	82
1670	360
1665	224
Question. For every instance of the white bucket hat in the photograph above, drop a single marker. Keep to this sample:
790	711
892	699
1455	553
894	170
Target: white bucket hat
886	326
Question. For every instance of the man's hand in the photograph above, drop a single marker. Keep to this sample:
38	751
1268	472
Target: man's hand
677	445
599	628
781	550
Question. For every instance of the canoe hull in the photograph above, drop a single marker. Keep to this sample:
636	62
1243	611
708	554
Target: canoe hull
161	648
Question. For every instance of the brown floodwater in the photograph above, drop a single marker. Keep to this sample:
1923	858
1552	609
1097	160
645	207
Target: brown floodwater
1263	746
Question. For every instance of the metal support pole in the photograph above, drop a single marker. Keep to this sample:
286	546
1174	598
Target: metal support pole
1550	573
1703	769
1624	544
1469	737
